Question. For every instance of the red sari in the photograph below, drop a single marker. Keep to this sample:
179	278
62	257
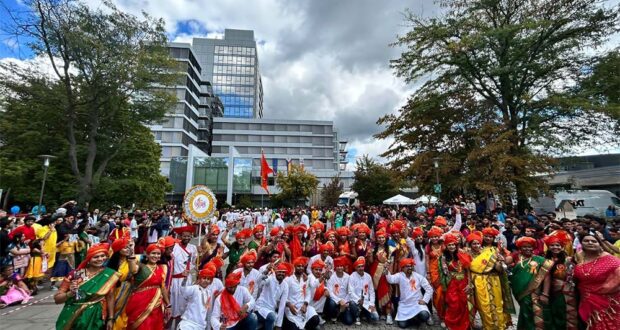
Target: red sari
454	278
598	282
145	305
435	279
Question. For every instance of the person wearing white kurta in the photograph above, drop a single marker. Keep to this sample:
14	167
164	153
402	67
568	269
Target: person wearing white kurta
361	288
338	306
297	287
278	222
199	305
271	303
250	279
313	284
412	305
184	263
243	297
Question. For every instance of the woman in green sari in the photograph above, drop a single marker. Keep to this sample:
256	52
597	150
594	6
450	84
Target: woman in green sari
87	293
528	275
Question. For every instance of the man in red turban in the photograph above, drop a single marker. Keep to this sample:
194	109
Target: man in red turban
250	276
316	284
234	305
325	251
412	307
298	311
271	301
184	255
200	298
362	293
338	306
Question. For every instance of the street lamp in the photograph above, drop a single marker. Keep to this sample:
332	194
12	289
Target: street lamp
46	165
436	165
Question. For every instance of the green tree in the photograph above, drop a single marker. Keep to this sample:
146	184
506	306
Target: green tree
105	63
498	100
296	185
374	182
331	191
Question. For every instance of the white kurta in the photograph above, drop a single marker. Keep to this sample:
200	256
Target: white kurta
338	287
420	262
272	299
362	285
184	259
250	281
410	294
296	296
242	296
199	305
329	263
313	283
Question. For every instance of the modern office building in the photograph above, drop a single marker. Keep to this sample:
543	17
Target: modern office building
231	64
191	120
314	144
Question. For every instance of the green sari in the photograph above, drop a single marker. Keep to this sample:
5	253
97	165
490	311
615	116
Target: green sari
88	311
526	280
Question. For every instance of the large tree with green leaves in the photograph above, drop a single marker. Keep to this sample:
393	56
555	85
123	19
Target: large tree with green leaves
500	93
331	191
104	66
374	182
296	185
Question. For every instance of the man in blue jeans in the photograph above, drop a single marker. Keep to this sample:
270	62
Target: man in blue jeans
338	305
232	309
271	303
412	305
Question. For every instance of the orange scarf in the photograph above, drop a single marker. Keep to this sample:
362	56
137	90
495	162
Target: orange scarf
320	291
230	308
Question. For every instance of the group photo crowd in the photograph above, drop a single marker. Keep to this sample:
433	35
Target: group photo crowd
451	265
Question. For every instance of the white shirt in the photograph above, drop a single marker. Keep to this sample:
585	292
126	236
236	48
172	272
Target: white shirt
278	222
296	296
247	221
410	294
242	296
329	263
199	304
338	287
250	281
359	285
270	299
183	260
305	220
133	226
420	262
313	283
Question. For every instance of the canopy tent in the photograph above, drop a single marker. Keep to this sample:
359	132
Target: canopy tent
426	199
399	200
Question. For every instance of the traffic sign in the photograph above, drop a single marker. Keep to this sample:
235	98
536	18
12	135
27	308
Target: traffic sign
437	188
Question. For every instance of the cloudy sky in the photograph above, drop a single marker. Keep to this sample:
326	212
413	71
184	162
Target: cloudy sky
319	59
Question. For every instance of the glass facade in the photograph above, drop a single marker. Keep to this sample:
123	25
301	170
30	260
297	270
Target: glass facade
213	173
234	78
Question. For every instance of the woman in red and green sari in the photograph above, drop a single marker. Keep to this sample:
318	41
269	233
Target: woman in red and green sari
87	293
379	261
558	289
454	273
148	306
527	277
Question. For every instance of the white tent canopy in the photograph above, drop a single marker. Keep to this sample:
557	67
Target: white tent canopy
399	200
426	199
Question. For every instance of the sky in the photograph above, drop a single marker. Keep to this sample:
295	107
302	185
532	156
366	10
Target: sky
319	59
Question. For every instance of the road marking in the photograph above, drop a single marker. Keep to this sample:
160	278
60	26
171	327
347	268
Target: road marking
24	306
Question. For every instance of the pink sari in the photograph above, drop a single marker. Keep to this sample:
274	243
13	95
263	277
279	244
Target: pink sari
599	287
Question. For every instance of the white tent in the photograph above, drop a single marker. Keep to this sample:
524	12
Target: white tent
399	200
426	199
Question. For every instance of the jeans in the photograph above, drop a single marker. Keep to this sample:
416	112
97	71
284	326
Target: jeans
248	323
269	322
332	309
355	311
312	323
420	318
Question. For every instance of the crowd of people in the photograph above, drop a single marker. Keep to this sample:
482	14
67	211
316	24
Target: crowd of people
459	266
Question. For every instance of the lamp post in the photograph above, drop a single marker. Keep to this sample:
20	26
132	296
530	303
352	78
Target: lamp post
46	165
436	165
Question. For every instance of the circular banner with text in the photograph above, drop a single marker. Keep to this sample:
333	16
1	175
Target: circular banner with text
199	203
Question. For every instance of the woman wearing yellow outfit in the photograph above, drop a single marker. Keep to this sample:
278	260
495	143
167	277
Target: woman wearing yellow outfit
122	250
46	232
492	297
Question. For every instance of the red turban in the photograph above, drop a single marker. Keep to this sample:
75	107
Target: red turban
380	233
285	267
260	228
153	247
218	262
329	246
343	231
526	241
382	224
215	230
558	236
249	256
300	229
233	279
450	239
406	262
300	261
341	261
318	225
475	236
490	231
185	229
310	231
318	263
93	251
363	228
417	232
126	223
167	241
440	221
119	244
275	231
244	233
208	271
330	233
435	232
361	261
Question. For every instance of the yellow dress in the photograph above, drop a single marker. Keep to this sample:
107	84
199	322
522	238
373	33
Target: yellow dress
121	294
48	245
35	265
488	290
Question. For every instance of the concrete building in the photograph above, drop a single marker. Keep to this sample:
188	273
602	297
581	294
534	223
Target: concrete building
231	64
588	172
190	122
